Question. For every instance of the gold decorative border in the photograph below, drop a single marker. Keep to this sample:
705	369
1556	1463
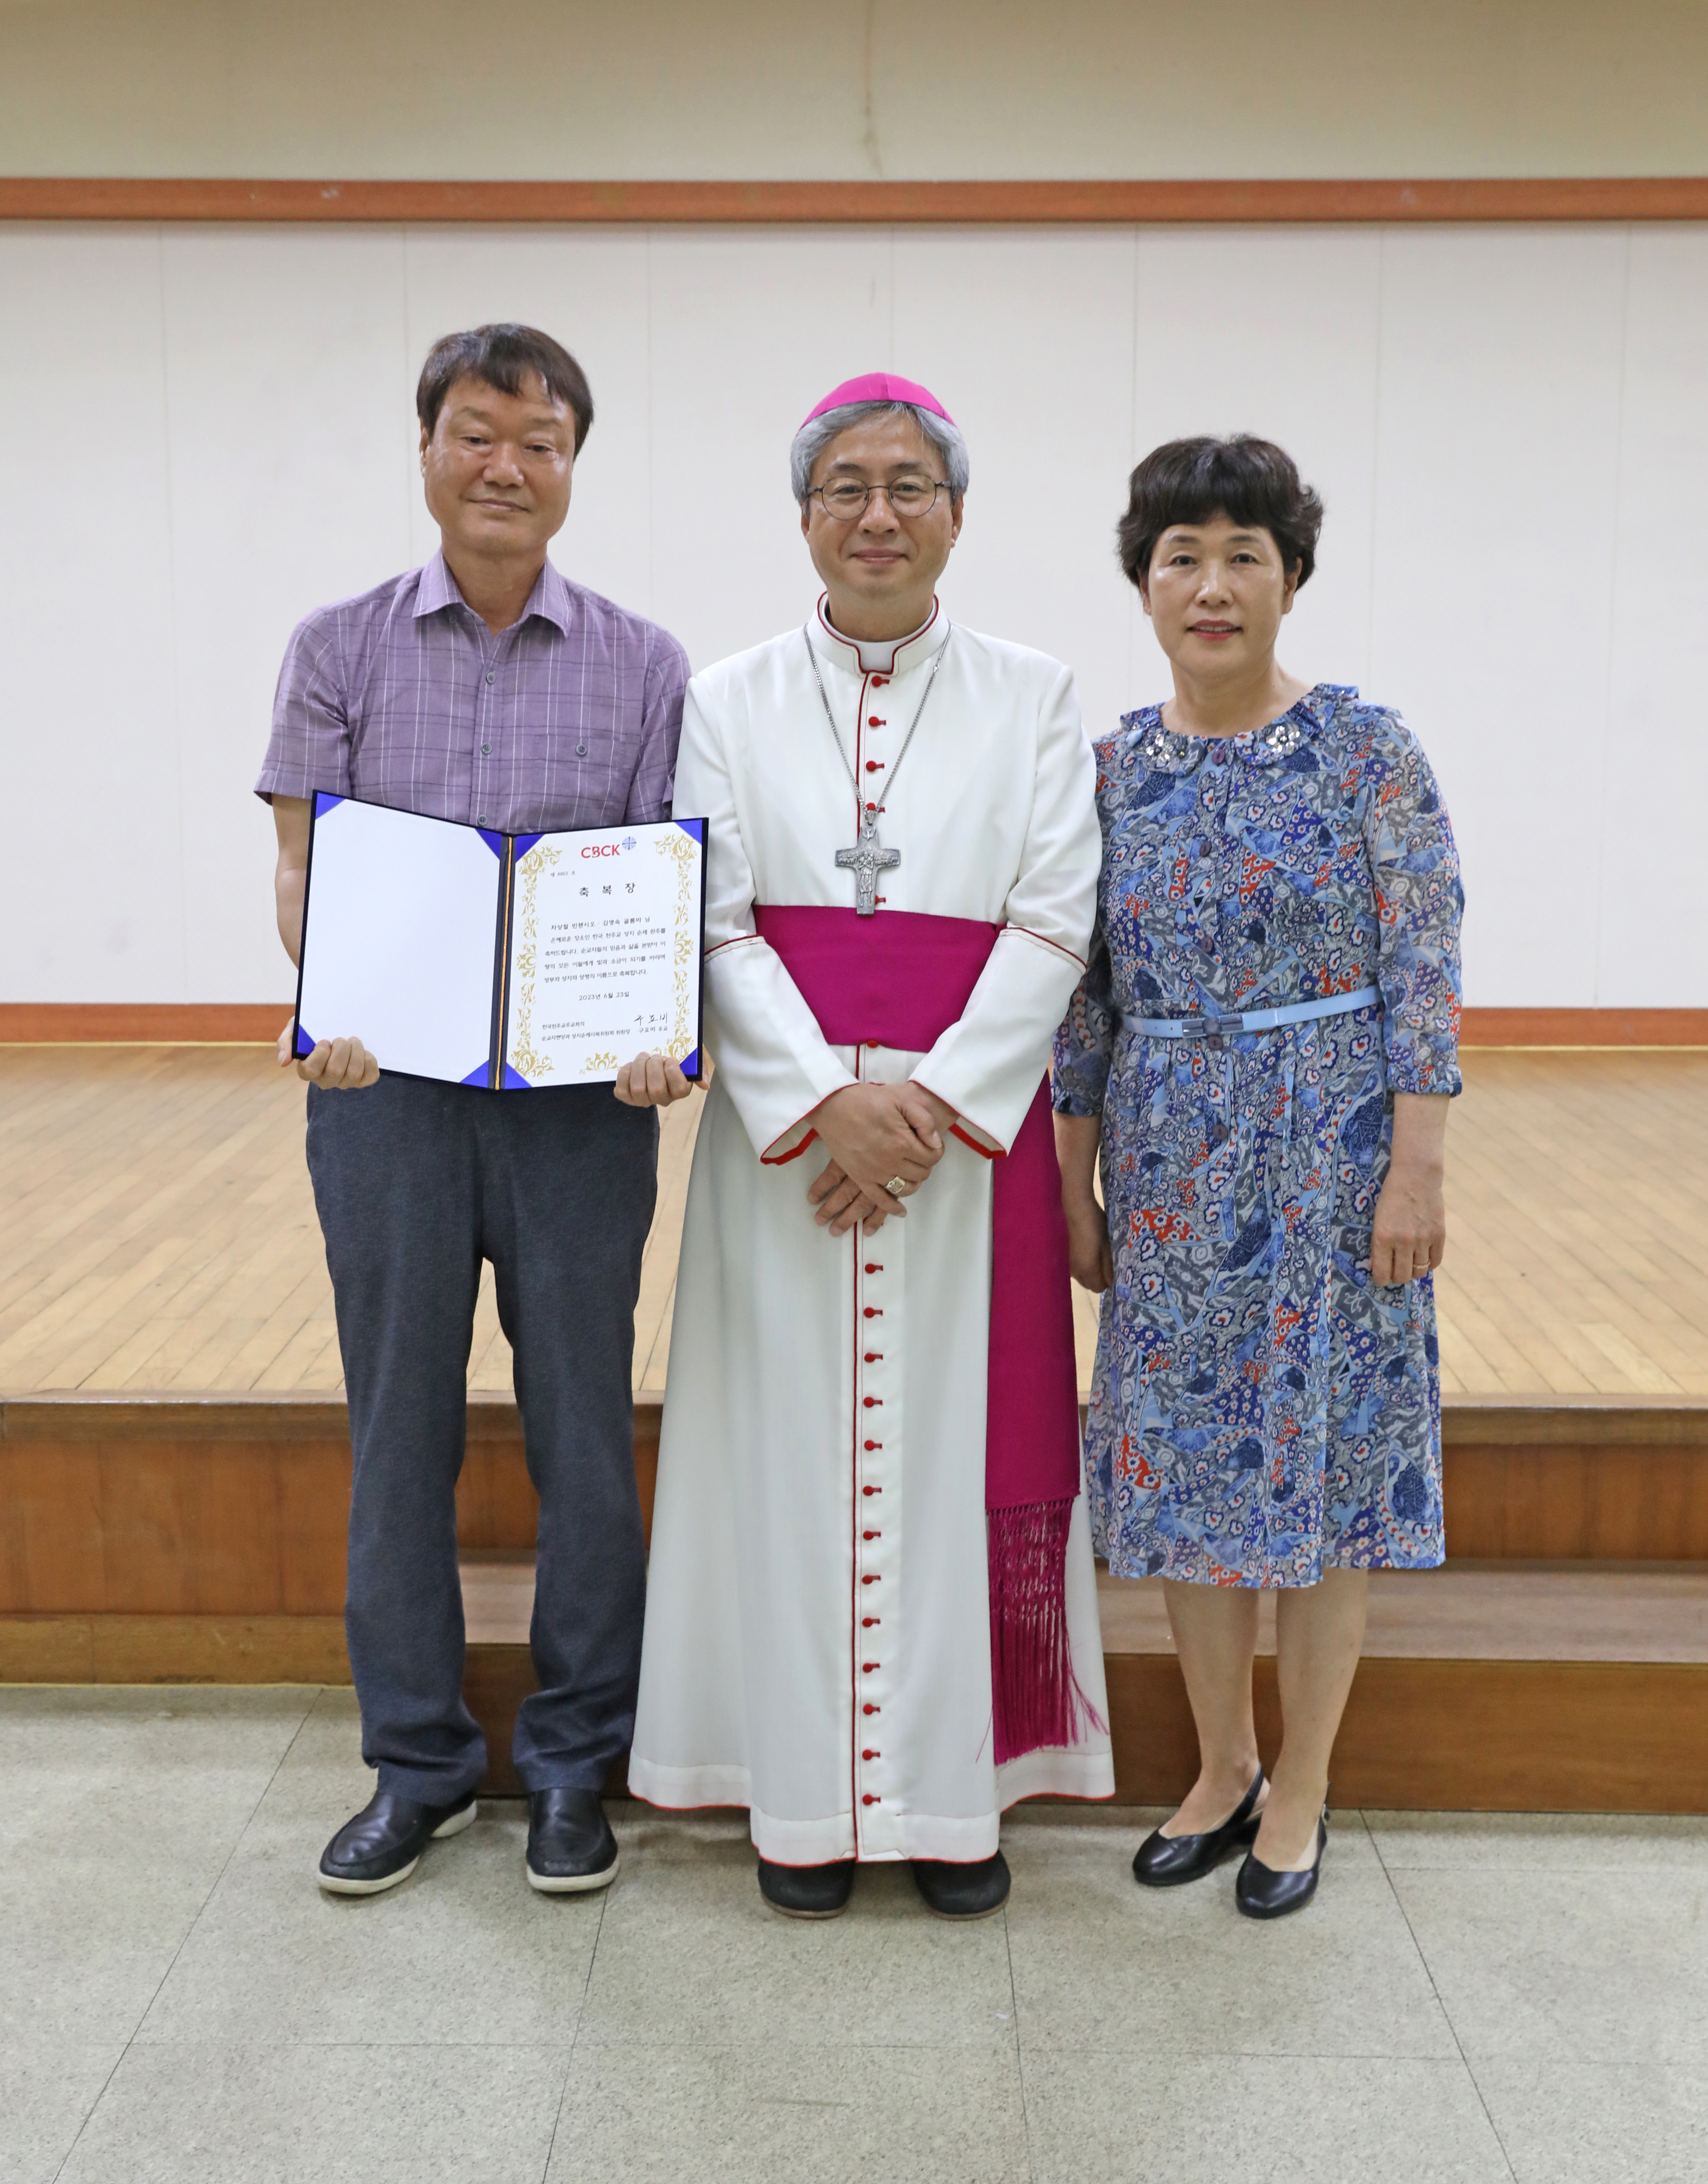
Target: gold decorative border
686	851
522	1055
676	844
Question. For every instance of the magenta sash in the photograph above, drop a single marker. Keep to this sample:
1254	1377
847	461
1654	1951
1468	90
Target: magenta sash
900	979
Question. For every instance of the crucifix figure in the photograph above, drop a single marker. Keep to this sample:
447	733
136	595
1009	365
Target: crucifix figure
865	860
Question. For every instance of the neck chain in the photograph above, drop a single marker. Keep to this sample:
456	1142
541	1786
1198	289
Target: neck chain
829	717
868	856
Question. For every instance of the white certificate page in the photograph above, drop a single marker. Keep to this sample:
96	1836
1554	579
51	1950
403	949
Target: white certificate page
400	940
606	952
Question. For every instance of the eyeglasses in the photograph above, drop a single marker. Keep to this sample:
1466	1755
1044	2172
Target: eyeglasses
846	498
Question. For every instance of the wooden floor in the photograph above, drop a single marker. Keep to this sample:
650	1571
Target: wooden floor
157	1230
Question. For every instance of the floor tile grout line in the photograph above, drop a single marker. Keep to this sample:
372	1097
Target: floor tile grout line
1092	2047
142	2015
1440	2001
575	2039
1019	2053
723	2044
378	2044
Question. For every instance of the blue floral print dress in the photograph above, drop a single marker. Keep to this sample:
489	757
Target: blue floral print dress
1260	1411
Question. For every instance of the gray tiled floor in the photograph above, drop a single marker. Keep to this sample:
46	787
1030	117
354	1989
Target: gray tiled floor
1472	1998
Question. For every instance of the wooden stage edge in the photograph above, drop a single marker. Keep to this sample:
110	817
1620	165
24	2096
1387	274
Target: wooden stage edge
1442	1735
192	1541
235	1505
1070	203
198	1024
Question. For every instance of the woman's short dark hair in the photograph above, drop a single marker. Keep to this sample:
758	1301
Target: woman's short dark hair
1252	482
506	357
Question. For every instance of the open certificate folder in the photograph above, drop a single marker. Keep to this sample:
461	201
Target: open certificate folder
505	961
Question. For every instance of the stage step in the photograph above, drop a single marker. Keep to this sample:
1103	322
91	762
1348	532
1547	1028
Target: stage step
172	1539
1485	1687
1471	1611
235	1505
1467	1611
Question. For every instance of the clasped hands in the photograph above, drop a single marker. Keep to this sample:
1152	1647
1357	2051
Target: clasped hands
877	1135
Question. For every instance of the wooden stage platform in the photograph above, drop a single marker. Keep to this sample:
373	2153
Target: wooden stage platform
157	1231
174	1460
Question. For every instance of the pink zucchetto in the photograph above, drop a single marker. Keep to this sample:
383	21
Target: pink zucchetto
879	387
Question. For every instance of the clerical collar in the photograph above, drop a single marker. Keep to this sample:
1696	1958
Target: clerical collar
877	656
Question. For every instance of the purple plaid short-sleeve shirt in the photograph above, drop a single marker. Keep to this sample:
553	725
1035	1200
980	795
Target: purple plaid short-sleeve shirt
569	718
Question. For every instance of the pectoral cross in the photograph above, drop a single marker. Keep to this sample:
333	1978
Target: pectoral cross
865	860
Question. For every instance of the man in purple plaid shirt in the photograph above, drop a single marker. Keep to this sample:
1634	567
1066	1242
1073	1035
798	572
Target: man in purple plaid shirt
484	687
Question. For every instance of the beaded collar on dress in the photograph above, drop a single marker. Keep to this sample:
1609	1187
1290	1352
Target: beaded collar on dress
1164	750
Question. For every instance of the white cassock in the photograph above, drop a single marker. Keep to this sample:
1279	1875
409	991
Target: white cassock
817	1640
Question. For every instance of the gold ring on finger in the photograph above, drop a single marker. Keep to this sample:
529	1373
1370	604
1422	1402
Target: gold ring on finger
898	1186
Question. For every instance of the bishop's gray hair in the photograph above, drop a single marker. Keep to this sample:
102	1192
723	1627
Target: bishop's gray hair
817	433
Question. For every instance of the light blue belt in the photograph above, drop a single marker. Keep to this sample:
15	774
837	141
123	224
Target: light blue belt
1214	1027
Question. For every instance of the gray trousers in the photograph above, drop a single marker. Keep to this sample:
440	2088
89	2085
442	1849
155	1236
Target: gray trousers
415	1183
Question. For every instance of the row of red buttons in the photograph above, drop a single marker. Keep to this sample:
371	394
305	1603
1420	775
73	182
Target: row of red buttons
873	765
868	1753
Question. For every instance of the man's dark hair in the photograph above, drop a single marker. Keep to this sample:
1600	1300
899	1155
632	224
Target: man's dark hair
506	357
1252	482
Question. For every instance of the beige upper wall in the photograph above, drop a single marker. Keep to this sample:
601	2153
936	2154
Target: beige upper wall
899	89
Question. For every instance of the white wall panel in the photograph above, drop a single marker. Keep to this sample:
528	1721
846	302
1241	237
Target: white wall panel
1653	942
1275	334
1507	426
292	472
748	331
1497	454
589	292
1027	339
91	868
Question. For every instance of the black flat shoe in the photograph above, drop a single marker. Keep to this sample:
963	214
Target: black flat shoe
571	1845
808	1891
1169	1861
1261	1892
963	1892
380	1846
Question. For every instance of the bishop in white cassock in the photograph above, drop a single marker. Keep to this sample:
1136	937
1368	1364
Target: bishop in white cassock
871	1611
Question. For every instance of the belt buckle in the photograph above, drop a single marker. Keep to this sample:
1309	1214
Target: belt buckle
1213	1028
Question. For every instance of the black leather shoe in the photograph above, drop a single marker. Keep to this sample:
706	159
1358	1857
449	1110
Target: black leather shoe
1261	1892
1166	1861
380	1846
571	1845
963	1892
808	1891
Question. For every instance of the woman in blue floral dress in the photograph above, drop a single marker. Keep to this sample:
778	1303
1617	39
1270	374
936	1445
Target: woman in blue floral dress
1260	1060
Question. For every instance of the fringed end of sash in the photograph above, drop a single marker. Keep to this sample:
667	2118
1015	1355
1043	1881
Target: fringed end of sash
1037	1698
